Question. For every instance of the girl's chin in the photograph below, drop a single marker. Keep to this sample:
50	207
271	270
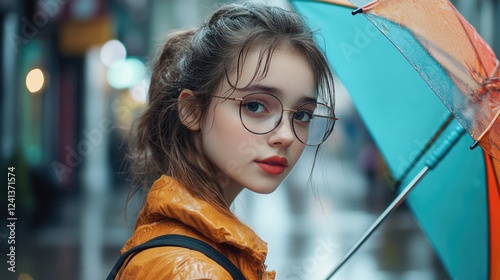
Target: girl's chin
262	189
257	183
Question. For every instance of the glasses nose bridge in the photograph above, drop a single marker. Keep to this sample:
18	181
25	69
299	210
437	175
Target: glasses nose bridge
290	116
291	111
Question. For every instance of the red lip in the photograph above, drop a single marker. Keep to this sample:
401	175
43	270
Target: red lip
274	165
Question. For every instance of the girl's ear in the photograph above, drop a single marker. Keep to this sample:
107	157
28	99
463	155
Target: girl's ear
188	110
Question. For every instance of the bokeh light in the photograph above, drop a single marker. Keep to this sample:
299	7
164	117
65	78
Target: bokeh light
35	80
139	92
126	74
112	52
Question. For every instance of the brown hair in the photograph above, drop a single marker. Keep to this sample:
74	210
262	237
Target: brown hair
199	60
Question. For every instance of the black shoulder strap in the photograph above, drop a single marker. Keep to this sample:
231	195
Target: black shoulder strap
180	241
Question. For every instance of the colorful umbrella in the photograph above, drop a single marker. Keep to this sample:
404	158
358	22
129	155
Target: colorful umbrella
458	203
450	56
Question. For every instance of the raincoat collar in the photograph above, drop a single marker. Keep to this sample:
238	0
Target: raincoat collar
170	199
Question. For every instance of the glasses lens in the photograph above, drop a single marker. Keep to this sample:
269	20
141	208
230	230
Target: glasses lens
313	123
260	112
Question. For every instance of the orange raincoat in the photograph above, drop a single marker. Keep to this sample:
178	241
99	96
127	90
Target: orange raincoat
171	209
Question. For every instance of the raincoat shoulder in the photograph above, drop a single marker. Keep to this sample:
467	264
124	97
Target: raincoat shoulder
172	263
171	209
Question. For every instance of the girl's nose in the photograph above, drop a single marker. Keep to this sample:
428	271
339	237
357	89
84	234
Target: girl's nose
283	135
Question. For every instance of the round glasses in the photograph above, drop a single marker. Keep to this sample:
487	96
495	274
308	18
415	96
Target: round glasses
261	113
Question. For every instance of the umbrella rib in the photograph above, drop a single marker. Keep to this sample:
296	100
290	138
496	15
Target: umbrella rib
391	208
365	8
344	3
428	145
458	15
476	142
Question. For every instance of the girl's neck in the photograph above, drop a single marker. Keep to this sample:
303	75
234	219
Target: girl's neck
230	192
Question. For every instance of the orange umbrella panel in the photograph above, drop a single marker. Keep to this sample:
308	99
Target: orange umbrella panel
493	175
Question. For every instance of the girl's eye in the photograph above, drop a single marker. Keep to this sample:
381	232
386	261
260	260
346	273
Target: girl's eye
303	116
254	107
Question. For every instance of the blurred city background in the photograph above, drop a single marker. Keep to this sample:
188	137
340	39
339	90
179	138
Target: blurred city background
74	76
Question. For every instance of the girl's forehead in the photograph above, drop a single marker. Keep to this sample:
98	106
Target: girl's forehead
282	71
256	64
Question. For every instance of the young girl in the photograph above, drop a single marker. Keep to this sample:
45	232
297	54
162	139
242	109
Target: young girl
231	106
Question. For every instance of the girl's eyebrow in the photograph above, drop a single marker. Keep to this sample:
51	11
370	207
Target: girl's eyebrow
257	87
274	91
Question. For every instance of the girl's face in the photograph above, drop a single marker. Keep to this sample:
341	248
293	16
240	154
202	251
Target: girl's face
246	160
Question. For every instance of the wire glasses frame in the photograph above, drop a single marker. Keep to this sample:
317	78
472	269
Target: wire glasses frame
262	112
